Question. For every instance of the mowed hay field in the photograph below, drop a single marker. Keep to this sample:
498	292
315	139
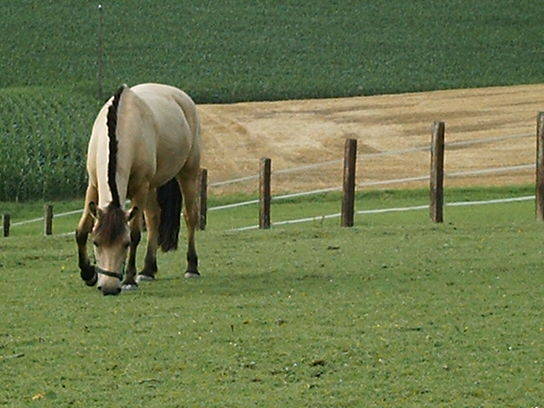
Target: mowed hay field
307	132
393	312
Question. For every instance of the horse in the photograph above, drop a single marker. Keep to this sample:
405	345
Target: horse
144	147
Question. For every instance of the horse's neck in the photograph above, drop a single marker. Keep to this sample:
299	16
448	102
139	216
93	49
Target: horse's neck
125	158
133	121
105	197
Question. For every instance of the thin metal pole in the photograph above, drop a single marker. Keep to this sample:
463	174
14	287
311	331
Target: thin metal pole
100	61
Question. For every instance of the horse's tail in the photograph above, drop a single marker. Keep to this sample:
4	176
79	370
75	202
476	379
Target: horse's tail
170	200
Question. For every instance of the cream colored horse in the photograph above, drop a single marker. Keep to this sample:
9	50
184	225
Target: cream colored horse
145	145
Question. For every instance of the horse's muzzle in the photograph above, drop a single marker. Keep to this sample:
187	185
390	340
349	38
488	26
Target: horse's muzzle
109	290
106	287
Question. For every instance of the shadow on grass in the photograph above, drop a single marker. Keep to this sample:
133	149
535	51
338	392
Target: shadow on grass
262	284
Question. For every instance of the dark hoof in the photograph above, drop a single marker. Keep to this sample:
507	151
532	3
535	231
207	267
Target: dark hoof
88	274
92	281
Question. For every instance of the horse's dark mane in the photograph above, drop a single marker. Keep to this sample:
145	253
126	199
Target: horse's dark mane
111	224
112	147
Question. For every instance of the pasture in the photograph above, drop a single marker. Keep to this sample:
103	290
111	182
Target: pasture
393	312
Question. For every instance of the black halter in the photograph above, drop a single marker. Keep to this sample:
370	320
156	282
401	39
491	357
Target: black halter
119	276
108	273
97	270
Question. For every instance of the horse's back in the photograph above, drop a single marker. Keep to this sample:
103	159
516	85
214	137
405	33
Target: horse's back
177	127
159	98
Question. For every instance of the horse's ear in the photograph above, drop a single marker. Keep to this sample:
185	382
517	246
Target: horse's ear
93	210
132	213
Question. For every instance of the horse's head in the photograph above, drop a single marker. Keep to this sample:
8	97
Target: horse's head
111	239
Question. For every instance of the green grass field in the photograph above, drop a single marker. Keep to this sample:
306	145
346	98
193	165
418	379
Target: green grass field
395	312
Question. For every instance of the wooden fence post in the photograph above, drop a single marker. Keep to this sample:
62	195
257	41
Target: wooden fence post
348	197
203	199
264	193
437	173
48	219
6	222
539	193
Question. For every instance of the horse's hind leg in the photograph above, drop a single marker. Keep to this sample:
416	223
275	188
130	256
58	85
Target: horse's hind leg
152	220
84	227
188	180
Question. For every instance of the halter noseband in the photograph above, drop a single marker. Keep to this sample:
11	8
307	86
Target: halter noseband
108	273
99	271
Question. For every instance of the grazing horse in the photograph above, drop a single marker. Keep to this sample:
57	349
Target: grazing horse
145	146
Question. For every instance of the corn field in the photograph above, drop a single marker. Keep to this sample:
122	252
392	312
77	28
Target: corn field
43	142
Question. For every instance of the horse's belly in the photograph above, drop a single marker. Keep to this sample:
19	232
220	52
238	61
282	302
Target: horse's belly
172	153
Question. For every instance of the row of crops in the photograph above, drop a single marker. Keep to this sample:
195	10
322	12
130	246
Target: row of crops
232	50
43	141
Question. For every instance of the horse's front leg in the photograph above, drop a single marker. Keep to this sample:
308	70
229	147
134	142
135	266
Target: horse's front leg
135	226
84	227
135	235
152	219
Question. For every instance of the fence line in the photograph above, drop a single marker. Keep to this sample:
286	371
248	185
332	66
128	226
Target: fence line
329	189
389	210
376	154
491	170
375	211
41	218
484	140
501	169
